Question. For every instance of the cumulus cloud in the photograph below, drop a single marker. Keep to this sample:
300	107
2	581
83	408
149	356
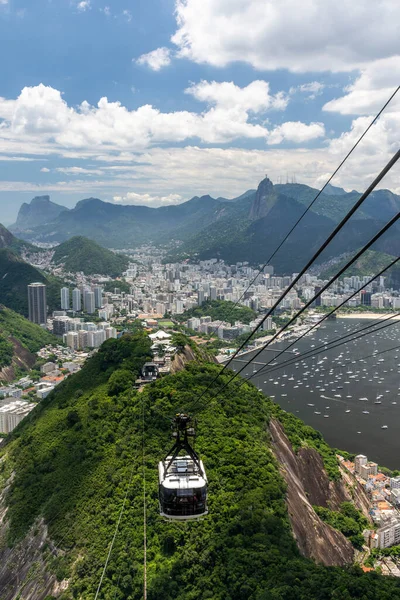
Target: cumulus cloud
325	35
84	5
148	199
297	132
3	2
41	115
370	90
156	60
227	95
45	170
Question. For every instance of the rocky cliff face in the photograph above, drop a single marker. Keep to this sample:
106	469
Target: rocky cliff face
181	359
22	359
26	561
264	200
308	484
40	211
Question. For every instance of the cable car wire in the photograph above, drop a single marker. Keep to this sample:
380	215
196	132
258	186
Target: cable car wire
340	341
325	346
327	241
312	202
144	509
336	308
332	280
121	512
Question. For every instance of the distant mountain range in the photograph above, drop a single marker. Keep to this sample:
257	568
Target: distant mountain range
246	228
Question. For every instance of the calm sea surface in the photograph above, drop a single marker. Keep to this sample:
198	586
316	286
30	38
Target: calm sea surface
320	390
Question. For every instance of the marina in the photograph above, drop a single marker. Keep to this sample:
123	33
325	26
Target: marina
350	399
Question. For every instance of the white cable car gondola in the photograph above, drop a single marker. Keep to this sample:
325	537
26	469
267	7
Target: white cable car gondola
182	478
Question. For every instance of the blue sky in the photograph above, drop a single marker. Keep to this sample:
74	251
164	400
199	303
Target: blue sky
203	96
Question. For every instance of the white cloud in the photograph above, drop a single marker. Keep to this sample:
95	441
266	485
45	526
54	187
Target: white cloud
84	5
319	35
227	95
106	10
370	90
148	199
78	171
127	15
45	170
156	60
297	132
311	89
189	171
41	116
3	1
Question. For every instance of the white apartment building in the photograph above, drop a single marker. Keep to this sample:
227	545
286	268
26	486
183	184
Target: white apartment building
360	461
389	534
12	414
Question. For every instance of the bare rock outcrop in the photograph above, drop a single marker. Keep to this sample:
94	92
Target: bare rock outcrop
23	568
308	484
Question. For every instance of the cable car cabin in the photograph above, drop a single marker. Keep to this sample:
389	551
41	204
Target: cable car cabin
182	478
183	489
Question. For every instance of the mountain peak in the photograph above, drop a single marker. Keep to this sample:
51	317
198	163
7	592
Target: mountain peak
39	200
38	211
264	199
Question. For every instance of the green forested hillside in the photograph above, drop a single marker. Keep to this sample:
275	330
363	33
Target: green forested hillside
369	263
14	327
15	275
219	310
81	254
75	454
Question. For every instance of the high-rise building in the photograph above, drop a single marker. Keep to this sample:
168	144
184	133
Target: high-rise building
37	303
76	300
317	301
82	339
65	302
200	297
98	296
72	340
366	298
60	325
89	302
213	293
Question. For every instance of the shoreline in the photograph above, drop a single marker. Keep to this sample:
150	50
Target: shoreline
368	316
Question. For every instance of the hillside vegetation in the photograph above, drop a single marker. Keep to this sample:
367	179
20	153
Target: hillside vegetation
369	263
219	310
14	327
81	254
73	459
15	275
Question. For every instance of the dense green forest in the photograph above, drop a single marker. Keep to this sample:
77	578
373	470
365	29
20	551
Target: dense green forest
81	254
15	275
350	521
31	336
219	310
74	456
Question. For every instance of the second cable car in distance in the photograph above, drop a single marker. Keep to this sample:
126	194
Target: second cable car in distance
182	478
